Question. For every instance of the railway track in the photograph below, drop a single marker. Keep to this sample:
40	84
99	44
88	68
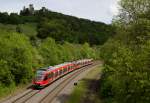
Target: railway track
49	97
26	97
22	96
51	94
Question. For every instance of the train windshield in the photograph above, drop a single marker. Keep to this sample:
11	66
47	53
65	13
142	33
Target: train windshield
40	75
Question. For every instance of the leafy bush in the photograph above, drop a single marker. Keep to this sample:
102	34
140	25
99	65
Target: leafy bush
16	57
54	53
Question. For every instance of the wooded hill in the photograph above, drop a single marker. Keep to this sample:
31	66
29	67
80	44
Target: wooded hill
59	26
126	76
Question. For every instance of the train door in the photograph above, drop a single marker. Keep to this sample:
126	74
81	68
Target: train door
64	70
50	77
69	68
60	72
56	73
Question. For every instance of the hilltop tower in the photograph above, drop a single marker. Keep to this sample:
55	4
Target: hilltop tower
44	9
31	9
27	11
24	8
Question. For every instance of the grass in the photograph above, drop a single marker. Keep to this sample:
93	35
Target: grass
29	29
82	93
4	91
77	94
11	91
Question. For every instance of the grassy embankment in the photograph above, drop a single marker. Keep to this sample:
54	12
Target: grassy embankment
87	90
12	91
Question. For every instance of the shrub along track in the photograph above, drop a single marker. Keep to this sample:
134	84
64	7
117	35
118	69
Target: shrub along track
47	94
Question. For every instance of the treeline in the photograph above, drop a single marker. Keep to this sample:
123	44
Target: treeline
61	27
19	59
74	30
14	18
126	76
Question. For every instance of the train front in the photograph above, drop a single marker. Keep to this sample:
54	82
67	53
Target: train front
38	81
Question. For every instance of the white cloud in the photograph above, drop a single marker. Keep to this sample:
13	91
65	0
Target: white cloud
114	8
98	10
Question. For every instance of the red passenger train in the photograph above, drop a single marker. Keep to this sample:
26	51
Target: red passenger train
45	76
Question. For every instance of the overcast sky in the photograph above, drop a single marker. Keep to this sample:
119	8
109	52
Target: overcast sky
97	10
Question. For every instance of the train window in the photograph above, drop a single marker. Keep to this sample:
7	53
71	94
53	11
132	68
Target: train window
60	72
40	75
50	75
64	70
56	73
46	77
69	68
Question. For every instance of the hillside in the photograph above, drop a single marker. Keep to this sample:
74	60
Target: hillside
59	26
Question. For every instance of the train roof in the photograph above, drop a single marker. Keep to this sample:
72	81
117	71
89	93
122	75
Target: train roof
81	60
50	68
60	65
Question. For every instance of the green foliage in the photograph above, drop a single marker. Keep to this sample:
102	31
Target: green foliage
59	26
49	51
6	77
87	52
74	30
54	53
5	90
8	27
29	29
16	56
13	18
126	74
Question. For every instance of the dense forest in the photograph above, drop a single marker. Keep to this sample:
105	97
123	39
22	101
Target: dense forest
60	27
126	76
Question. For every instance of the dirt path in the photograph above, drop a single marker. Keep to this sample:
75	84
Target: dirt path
87	90
92	93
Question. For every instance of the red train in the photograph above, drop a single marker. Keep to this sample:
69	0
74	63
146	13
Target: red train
45	76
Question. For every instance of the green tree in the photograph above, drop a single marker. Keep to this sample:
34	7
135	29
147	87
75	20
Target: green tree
17	54
125	76
49	50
